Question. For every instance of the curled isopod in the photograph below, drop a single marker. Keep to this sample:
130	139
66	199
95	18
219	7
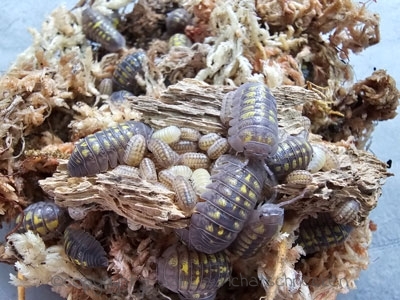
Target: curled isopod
195	160
163	153
169	135
135	150
347	213
185	195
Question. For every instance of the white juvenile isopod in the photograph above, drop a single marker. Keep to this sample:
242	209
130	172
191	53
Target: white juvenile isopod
207	140
200	179
147	170
181	170
185	195
317	160
169	135
219	147
135	150
190	134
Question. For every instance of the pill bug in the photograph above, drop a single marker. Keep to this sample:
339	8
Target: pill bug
192	274
120	97
207	140
317	234
100	29
177	20
233	193
261	226
102	150
135	150
184	146
347	212
220	146
83	249
190	134
125	73
195	160
147	170
254	124
44	218
200	179
169	134
179	40
299	178
186	197
105	86
293	153
163	153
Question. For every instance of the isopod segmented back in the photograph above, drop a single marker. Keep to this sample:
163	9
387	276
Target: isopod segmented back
316	234
253	120
124	77
102	150
100	29
44	218
294	153
230	198
261	226
83	249
192	274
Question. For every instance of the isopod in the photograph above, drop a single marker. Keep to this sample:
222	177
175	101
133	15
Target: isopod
347	213
219	147
44	218
207	140
261	226
235	189
185	195
83	249
317	234
135	150
253	120
147	170
163	153
177	20
100	29
124	77
192	274
102	150
169	135
195	160
190	134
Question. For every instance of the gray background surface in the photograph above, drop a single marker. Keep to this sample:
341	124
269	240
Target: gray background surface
381	280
